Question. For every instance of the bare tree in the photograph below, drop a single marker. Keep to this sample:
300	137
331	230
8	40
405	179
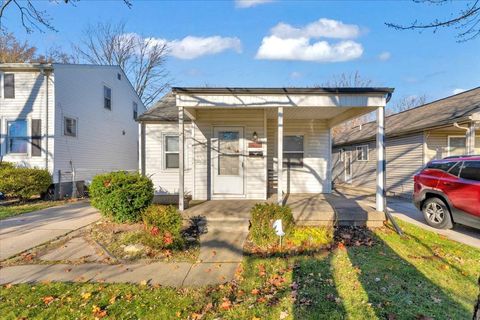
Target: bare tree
467	20
406	103
142	59
11	51
349	80
31	17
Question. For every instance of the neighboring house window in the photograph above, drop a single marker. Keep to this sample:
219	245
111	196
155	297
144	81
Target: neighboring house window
171	152
70	127
107	98
457	145
470	170
17	136
9	86
362	153
36	137
135	111
119	76
293	151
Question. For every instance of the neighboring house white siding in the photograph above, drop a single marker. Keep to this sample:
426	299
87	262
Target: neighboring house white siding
314	177
29	103
166	180
404	157
106	140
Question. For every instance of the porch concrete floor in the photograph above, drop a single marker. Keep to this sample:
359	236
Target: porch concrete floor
337	208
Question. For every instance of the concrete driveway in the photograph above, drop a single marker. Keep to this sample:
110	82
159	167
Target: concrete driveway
29	230
406	211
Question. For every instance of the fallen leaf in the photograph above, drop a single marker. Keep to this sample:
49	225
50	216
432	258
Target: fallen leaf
255	291
8	286
283	315
226	304
143	282
112	299
86	295
47	300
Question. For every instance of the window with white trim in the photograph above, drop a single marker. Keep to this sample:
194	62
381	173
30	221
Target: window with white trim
107	98
293	151
170	150
457	145
342	155
362	153
17	137
69	127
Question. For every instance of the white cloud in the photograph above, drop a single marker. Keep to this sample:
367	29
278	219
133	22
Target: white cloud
250	3
286	42
326	28
296	75
384	56
275	48
458	90
192	47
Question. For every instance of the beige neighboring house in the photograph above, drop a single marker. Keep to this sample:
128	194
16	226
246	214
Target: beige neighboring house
443	128
249	143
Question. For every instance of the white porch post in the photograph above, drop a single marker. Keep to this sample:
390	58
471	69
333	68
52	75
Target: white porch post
280	156
181	157
380	195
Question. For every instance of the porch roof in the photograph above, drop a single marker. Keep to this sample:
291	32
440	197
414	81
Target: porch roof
166	109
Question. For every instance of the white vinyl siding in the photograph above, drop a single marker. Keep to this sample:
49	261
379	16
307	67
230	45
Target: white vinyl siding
29	104
313	177
404	157
254	170
436	142
166	180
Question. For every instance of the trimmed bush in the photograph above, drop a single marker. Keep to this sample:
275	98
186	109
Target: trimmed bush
23	183
262	217
164	222
121	196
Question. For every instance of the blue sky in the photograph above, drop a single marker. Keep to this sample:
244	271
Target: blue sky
285	43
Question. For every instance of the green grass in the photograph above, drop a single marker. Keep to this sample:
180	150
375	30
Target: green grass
422	275
16	209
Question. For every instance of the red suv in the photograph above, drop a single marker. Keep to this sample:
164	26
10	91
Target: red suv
448	191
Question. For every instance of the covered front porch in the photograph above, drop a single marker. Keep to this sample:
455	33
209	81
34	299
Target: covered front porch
248	142
336	208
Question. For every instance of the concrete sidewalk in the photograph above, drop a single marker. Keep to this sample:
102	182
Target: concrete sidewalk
29	230
220	254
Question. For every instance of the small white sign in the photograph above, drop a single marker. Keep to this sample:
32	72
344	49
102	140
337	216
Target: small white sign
277	225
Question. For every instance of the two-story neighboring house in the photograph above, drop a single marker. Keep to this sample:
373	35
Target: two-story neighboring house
74	120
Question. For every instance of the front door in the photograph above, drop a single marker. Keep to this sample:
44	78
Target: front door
228	162
348	166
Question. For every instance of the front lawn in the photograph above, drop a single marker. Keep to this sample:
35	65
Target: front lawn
10	210
362	275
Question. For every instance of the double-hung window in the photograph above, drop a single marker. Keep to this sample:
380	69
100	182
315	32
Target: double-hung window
9	86
107	98
17	138
362	153
293	151
69	127
171	155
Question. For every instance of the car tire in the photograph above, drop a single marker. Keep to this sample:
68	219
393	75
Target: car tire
437	214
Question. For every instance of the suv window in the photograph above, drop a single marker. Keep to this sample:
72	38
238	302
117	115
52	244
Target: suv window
455	170
471	170
443	166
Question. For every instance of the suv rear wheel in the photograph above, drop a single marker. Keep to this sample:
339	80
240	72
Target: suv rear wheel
437	214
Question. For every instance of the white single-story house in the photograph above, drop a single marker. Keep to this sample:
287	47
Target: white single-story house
74	120
250	143
442	128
